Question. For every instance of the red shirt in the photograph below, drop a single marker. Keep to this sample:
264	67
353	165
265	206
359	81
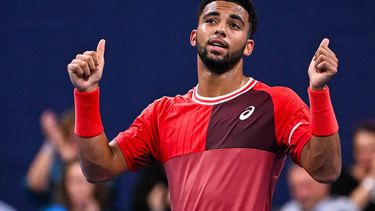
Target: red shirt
222	153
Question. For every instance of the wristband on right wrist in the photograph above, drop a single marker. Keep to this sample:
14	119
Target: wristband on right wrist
88	122
323	119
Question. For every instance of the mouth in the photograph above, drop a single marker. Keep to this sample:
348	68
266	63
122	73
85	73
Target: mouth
217	43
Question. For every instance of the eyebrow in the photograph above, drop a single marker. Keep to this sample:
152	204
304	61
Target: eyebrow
237	17
233	16
213	13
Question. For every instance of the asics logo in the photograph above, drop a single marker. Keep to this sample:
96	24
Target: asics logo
247	113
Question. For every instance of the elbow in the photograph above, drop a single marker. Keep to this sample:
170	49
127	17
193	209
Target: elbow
96	178
97	175
327	176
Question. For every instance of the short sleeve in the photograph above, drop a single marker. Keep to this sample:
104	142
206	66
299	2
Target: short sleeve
138	143
292	121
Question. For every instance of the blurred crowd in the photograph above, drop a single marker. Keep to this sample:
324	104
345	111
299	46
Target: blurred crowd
55	182
353	190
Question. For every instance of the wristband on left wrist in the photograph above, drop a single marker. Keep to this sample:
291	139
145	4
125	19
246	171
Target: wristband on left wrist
323	119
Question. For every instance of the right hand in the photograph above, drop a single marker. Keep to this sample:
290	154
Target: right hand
86	69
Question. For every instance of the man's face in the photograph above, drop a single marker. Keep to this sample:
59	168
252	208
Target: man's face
221	36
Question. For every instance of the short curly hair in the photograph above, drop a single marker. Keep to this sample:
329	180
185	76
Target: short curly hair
246	4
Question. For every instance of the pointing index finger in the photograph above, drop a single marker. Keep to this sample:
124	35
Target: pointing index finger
100	49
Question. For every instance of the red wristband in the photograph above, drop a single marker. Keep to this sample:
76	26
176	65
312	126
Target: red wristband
323	119
88	122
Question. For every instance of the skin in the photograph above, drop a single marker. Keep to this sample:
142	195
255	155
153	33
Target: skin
80	191
305	189
40	169
364	155
364	152
321	155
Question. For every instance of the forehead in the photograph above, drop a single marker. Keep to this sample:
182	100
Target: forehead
298	175
364	138
225	7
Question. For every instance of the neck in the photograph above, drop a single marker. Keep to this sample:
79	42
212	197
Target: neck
213	84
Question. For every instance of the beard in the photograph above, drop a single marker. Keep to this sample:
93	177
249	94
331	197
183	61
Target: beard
220	65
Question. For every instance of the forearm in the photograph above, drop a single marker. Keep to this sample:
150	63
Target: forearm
360	197
321	158
99	159
362	194
40	169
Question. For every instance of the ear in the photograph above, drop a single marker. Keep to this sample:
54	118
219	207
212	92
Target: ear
193	38
249	47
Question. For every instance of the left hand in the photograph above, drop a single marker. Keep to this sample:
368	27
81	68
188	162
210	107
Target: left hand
323	66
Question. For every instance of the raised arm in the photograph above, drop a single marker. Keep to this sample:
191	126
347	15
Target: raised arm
38	176
100	160
321	156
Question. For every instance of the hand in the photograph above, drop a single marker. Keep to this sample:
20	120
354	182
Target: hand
65	148
49	124
323	66
86	69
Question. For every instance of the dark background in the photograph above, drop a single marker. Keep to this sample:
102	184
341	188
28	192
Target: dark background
148	55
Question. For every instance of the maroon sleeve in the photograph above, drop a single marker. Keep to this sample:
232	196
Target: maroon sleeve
139	143
292	121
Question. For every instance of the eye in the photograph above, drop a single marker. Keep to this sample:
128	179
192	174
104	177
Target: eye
234	26
210	21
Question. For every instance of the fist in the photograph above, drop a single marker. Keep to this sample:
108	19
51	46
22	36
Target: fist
86	69
323	66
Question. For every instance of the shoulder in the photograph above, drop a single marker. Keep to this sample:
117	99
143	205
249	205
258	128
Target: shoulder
280	95
338	203
164	103
275	91
291	206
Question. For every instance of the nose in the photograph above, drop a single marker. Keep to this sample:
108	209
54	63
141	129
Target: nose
220	30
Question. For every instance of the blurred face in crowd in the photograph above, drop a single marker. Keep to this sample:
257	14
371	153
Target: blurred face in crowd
364	149
78	189
305	189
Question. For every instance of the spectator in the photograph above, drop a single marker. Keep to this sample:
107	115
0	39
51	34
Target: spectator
310	195
151	192
76	194
358	181
58	147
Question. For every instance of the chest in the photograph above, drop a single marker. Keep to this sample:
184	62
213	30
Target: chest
244	122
